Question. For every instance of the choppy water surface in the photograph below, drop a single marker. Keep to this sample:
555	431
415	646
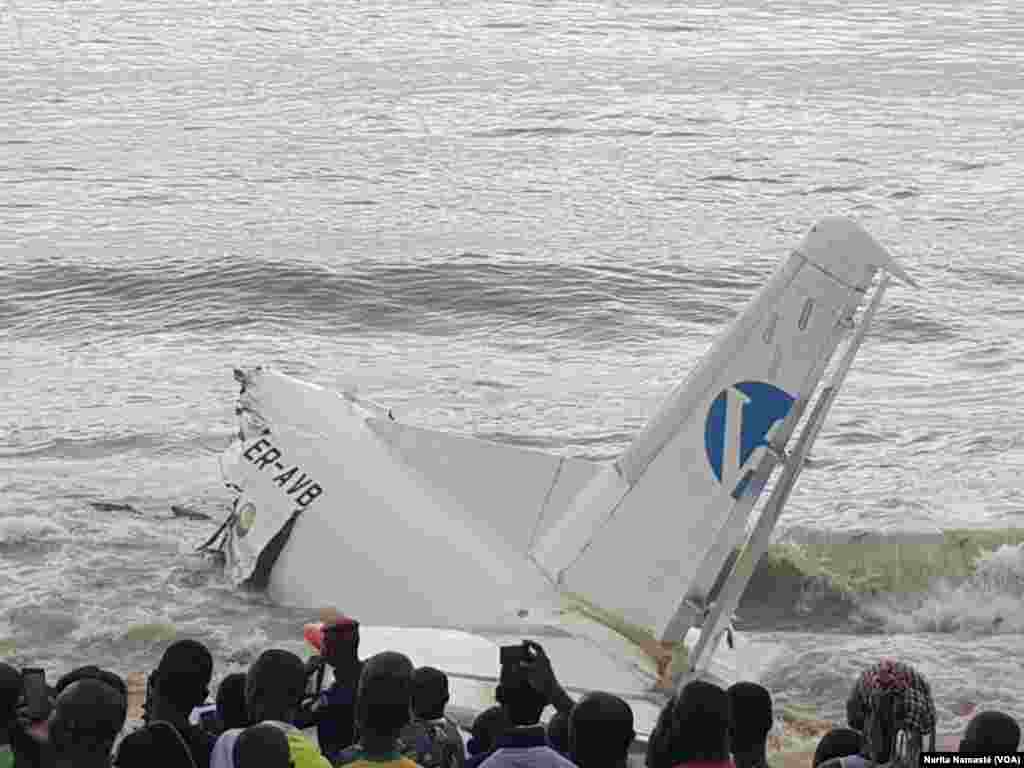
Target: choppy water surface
520	221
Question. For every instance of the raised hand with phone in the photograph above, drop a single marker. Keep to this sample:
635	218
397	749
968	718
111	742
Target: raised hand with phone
526	686
37	699
531	661
35	704
10	692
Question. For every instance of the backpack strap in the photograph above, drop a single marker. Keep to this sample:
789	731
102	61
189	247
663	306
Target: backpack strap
164	725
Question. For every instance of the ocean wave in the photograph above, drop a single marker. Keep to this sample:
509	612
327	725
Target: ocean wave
119	644
831	188
969	165
49	622
421	296
672	28
535	130
939	581
505	25
1002	276
25	529
857	438
103	446
989	601
909	324
729	177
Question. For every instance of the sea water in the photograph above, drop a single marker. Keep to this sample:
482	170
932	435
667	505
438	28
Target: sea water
521	221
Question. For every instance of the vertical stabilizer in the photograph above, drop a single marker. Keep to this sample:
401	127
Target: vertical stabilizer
634	540
719	616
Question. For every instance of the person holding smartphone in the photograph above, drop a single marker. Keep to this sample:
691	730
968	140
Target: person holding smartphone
28	732
77	728
10	692
55	724
527	684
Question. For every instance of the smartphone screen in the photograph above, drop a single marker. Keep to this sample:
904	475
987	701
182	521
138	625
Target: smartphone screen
514	655
37	696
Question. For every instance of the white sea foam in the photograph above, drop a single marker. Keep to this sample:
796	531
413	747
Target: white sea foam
991	601
1002	570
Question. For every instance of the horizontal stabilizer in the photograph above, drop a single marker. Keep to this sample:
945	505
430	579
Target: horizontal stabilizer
512	490
324	506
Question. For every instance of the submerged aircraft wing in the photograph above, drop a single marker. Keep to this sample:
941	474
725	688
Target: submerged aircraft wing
471	662
474	658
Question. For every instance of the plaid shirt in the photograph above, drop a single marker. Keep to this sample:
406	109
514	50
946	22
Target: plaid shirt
894	677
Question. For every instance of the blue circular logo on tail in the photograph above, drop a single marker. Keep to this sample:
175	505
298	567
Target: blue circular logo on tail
739	421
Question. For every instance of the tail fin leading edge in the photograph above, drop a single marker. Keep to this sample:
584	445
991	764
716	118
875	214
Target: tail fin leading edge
633	540
718	618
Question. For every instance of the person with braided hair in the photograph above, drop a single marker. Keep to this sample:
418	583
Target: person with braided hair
891	704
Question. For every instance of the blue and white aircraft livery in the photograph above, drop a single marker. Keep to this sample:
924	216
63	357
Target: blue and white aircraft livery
456	532
742	419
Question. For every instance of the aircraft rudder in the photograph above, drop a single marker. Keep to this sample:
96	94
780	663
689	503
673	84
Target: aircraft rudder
841	246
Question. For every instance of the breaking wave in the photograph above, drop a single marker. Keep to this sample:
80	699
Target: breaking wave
989	601
945	582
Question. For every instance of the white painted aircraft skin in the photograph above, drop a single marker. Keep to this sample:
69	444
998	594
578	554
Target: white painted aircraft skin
405	526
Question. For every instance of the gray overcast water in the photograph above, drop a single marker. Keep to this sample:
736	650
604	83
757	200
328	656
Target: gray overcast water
521	221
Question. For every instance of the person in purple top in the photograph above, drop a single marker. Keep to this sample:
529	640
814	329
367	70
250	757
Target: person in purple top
526	686
334	710
558	733
487	727
231	702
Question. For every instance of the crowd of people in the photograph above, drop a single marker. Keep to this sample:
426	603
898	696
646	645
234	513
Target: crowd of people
383	712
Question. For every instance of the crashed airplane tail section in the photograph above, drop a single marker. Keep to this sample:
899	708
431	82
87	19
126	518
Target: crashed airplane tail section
340	505
649	535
